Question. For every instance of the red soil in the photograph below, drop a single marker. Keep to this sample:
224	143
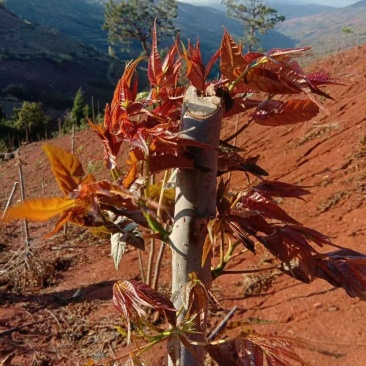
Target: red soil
68	285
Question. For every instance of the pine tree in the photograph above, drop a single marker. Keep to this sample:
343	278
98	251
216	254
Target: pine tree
30	119
256	18
78	108
133	20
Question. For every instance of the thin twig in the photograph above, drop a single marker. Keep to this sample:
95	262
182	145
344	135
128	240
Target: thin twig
150	261
22	196
72	152
10	199
141	265
14	329
162	244
7	359
54	316
235	139
158	265
222	324
239	131
250	270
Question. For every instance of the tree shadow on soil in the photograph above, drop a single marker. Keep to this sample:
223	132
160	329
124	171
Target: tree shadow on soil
54	300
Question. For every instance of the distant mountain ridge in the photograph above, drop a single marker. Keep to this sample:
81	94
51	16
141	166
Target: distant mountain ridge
324	30
83	20
41	64
51	63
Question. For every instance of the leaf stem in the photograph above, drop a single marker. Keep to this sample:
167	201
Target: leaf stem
239	131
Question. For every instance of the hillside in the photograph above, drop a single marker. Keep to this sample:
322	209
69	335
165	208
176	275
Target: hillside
80	19
324	30
291	10
83	20
63	300
40	64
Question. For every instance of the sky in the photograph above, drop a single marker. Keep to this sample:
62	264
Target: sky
336	3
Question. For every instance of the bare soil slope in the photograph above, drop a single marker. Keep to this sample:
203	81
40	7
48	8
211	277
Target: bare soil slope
58	311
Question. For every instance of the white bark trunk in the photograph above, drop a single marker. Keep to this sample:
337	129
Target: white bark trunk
195	203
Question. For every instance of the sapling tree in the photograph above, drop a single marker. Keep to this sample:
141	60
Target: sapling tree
178	127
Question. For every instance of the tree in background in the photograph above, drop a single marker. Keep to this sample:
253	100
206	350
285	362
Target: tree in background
31	120
2	114
129	21
78	108
256	18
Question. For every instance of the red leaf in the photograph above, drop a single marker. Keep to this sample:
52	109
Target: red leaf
234	162
238	228
195	68
65	166
155	66
275	77
232	63
168	161
211	62
251	348
344	268
322	78
129	298
313	235
135	156
278	53
277	113
281	189
256	201
110	144
171	68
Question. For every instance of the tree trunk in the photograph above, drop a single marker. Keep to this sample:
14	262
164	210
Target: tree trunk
195	204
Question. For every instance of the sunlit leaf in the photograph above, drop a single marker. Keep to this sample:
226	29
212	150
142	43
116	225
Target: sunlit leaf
277	113
283	53
196	302
206	250
155	66
110	144
135	156
275	77
232	63
65	166
195	70
322	78
41	209
129	296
